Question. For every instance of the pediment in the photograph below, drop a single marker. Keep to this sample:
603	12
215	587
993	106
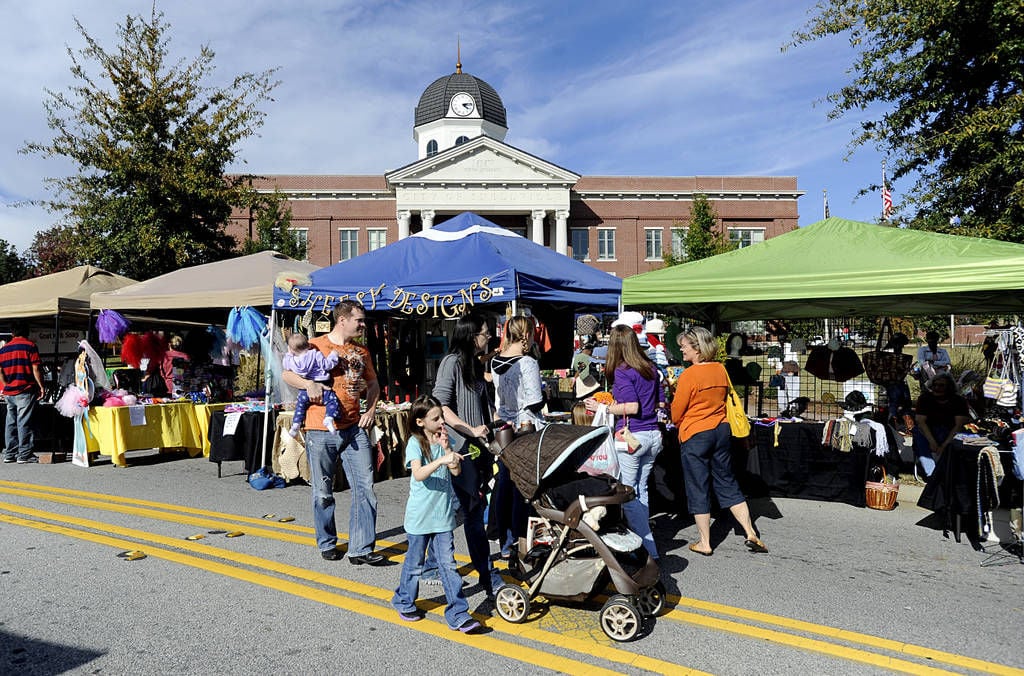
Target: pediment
482	161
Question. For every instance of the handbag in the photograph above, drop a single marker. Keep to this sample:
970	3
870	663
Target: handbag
1001	387
839	365
626	437
734	413
886	368
604	460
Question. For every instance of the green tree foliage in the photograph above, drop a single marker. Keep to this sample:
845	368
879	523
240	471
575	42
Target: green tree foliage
12	267
945	78
272	221
702	238
151	140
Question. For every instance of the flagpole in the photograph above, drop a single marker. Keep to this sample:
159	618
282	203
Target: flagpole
883	190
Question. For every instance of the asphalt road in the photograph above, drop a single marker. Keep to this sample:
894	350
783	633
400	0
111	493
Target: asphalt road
842	591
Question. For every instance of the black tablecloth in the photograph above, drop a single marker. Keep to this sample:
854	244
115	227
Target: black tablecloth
244	443
800	467
53	432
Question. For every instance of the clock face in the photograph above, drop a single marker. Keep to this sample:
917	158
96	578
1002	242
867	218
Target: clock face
463	104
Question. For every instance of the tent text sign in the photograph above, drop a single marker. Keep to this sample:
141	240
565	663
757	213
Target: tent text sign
401	299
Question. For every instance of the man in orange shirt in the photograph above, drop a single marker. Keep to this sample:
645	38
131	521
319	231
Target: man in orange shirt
352	378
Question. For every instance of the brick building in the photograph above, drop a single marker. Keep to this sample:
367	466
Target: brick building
619	224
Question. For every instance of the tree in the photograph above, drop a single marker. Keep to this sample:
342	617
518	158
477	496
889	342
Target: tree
53	250
700	238
273	231
151	141
12	267
945	77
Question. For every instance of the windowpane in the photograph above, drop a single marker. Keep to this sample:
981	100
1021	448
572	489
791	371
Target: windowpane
744	237
605	244
462	139
375	239
348	244
431	148
302	240
580	243
521	231
653	242
679	242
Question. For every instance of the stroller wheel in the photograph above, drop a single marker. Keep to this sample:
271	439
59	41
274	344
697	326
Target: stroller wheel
512	603
651	600
620	619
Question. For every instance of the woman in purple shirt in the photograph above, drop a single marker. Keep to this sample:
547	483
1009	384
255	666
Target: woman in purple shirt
634	382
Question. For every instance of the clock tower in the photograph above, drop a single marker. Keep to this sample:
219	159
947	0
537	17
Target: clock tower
454	109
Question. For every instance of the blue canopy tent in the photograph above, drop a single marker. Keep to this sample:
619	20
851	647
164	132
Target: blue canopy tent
459	264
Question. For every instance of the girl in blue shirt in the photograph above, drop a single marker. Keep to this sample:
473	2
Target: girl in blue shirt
430	516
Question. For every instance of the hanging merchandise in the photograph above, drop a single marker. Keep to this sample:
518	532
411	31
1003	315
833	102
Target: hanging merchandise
245	324
839	364
886	368
111	325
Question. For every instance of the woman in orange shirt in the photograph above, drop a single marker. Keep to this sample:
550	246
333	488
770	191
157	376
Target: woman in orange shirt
698	410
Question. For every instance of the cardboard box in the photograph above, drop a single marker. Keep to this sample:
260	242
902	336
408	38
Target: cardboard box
52	457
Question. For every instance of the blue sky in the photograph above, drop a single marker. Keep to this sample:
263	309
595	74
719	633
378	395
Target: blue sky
600	87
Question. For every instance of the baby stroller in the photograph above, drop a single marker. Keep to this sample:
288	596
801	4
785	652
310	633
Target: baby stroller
570	555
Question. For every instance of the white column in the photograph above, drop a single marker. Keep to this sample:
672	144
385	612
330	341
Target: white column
537	215
562	232
404	216
427	215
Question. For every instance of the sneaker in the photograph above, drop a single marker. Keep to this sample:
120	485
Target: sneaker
414	616
29	460
8	460
470	626
330	426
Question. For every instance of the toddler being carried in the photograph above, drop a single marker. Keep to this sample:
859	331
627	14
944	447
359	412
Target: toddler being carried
312	365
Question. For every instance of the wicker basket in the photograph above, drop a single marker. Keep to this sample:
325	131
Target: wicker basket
881	494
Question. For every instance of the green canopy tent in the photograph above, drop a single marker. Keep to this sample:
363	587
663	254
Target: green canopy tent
838	267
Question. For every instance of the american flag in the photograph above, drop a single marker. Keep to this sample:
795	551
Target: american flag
886	197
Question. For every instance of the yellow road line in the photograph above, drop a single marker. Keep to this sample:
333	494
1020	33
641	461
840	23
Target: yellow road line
672	614
607	653
481	642
841	634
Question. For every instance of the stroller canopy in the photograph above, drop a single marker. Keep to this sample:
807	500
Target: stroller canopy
532	458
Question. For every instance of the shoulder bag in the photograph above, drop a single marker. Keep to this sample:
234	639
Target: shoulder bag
734	413
886	368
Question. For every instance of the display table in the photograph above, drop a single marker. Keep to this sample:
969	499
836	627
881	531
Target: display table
244	442
203	414
390	430
798	466
116	429
53	432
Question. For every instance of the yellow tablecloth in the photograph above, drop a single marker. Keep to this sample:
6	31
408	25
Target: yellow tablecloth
109	430
203	414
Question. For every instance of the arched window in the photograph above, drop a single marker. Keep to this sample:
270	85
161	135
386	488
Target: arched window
462	139
431	148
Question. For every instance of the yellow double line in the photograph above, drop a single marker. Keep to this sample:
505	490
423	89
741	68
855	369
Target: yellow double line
302	535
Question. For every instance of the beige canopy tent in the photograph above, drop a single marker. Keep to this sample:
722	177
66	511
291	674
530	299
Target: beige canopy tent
65	292
247	280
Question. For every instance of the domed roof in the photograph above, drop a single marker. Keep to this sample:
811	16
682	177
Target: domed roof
434	102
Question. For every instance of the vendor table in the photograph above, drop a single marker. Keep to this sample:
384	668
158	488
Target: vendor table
794	464
952	489
244	442
113	430
53	432
391	430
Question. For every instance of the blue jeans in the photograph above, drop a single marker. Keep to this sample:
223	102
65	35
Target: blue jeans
442	548
634	471
466	486
707	465
923	452
20	428
352	447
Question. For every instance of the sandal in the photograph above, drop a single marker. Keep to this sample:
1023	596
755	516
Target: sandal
693	548
756	546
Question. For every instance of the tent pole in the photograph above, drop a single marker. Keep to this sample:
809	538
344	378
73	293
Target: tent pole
272	324
952	330
56	348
